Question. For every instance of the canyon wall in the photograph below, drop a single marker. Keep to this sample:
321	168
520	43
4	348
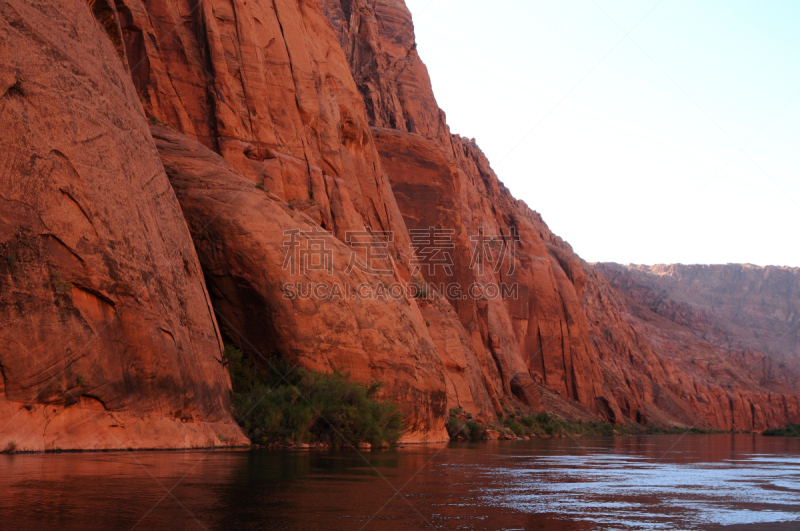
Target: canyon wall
751	312
107	336
710	346
312	173
537	337
567	328
267	87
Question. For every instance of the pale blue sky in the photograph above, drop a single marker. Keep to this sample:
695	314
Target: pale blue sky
677	143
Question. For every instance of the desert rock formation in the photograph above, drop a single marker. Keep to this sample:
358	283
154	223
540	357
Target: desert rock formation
713	346
239	236
290	126
568	329
107	336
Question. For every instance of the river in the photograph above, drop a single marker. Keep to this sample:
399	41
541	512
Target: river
693	482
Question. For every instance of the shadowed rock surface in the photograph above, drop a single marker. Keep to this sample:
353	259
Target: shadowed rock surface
240	240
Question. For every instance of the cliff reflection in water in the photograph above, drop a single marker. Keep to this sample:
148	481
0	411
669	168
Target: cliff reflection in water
732	482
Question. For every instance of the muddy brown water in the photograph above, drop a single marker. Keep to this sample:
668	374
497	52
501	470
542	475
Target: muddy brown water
693	482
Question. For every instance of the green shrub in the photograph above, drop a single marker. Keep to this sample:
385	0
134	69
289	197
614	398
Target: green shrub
791	430
474	430
456	428
520	424
61	286
549	424
462	426
515	427
282	403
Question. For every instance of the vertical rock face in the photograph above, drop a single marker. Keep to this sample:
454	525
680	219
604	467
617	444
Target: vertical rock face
567	329
714	346
107	337
295	130
266	85
537	334
240	240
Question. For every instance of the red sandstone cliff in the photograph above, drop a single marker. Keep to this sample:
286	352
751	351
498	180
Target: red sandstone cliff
240	240
569	329
307	141
293	124
442	180
710	346
107	336
267	86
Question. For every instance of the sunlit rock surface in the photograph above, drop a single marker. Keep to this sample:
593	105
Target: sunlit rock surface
107	336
